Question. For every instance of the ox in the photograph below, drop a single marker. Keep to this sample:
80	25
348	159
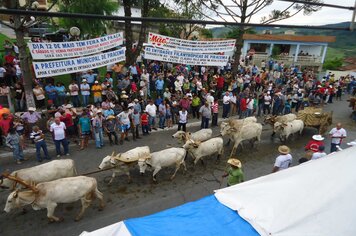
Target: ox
248	131
49	194
124	162
201	135
281	119
164	158
207	148
286	129
43	173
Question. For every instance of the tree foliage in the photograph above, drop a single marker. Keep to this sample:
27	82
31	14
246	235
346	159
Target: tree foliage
333	64
91	27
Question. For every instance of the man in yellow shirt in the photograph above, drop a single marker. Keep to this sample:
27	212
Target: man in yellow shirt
96	89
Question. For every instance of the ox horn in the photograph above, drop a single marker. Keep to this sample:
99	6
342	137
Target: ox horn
21	181
113	153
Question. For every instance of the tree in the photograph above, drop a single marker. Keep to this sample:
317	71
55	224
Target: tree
242	12
206	33
20	26
90	27
146	5
333	64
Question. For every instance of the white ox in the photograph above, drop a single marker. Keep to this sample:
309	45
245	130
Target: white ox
286	129
124	162
201	135
49	194
281	119
43	173
248	131
164	158
203	149
238	122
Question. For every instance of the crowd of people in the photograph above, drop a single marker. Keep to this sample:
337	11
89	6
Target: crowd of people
147	95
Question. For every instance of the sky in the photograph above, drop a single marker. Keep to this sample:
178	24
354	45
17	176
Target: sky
324	16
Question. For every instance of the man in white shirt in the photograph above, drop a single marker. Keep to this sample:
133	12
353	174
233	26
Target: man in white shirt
226	105
284	160
85	90
58	131
319	154
337	134
151	111
74	92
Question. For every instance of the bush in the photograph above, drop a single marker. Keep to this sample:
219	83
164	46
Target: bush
333	64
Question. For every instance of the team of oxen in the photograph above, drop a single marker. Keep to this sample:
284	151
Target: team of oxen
47	185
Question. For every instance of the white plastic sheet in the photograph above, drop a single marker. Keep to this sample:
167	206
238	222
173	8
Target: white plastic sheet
118	229
315	198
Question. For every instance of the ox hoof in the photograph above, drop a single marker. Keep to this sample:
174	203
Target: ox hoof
60	219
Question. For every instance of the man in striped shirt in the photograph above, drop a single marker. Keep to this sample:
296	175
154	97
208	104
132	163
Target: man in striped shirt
38	138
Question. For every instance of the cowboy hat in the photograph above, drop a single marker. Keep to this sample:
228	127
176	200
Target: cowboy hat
318	137
234	162
31	109
84	80
283	149
110	117
124	96
135	100
69	106
123	92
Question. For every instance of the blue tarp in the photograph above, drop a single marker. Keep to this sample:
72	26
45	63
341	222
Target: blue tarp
206	216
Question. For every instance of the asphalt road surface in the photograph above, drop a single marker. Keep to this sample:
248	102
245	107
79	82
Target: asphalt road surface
142	196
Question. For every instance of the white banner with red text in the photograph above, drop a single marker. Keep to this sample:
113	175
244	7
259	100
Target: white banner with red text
166	42
73	65
185	57
40	51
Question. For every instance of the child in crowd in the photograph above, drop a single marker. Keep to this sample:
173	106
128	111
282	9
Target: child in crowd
144	123
169	116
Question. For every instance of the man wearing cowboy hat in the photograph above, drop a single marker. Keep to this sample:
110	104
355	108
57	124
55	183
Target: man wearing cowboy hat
284	160
85	91
110	126
313	145
234	173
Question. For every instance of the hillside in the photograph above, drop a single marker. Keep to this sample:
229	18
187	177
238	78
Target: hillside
345	45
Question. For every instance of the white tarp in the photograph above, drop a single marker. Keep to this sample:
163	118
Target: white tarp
315	198
166	42
67	66
40	51
118	229
190	58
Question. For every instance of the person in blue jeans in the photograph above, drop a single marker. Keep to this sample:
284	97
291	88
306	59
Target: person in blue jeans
162	114
98	129
13	140
61	93
38	137
59	136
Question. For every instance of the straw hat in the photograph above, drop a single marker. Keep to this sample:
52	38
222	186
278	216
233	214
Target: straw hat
234	162
68	106
124	96
84	80
31	109
318	137
284	149
123	92
110	117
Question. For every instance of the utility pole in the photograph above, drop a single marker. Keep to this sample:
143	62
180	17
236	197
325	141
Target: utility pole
352	25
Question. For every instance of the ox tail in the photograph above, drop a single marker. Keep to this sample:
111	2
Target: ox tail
186	155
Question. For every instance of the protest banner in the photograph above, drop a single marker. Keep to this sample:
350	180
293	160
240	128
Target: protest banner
166	42
73	65
40	51
185	57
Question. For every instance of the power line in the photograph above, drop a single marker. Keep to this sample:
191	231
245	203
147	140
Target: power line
320	4
156	20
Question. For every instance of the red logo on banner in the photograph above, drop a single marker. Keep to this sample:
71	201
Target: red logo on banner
155	39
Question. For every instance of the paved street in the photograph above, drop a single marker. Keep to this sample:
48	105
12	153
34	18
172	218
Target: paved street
142	196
